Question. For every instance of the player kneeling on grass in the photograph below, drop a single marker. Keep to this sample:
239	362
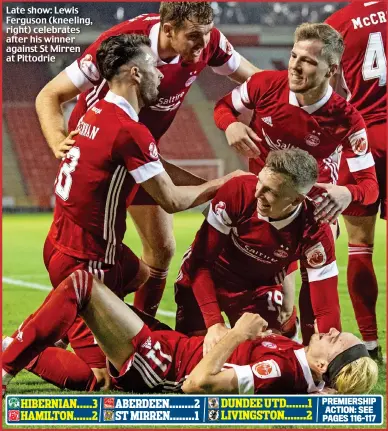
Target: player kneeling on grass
255	228
247	360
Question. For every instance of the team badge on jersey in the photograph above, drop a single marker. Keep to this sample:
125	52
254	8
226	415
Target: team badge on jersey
220	208
269	345
316	255
312	139
359	142
281	253
88	68
153	151
266	369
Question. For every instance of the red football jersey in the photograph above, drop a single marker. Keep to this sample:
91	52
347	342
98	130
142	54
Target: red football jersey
93	180
163	359
178	75
328	129
253	249
364	64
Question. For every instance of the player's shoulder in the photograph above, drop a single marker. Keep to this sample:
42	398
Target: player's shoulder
342	15
141	24
342	110
244	185
269	78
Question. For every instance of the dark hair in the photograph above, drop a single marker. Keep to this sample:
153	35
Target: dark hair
118	50
178	12
298	165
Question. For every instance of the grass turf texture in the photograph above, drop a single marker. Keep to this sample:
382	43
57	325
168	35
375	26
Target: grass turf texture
23	238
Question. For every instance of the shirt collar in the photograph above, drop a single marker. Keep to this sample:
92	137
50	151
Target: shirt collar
280	224
154	37
122	103
311	386
310	109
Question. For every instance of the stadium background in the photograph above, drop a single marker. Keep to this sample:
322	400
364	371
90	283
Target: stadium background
262	32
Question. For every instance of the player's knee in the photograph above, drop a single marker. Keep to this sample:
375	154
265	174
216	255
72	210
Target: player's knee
143	273
160	255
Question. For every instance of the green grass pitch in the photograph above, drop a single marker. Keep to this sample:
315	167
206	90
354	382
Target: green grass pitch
25	278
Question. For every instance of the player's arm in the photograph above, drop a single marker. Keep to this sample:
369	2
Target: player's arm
318	257
48	107
174	198
207	377
179	176
362	166
226	112
245	70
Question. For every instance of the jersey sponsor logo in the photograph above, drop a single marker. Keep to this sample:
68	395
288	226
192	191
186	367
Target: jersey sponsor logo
316	255
279	145
266	369
269	345
312	139
88	68
267	120
359	142
153	150
170	104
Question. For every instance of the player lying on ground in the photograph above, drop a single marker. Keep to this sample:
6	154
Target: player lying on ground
298	108
362	79
247	360
92	186
184	41
255	228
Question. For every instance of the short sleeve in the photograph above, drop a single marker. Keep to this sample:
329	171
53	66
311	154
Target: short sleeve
318	254
138	149
226	207
224	60
83	72
355	143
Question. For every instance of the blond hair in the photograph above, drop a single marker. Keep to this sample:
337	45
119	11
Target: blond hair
358	377
333	43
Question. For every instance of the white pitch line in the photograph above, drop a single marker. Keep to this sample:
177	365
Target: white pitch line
37	286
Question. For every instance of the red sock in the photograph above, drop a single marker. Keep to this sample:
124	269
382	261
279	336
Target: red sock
363	290
148	297
63	369
24	323
306	311
319	300
50	323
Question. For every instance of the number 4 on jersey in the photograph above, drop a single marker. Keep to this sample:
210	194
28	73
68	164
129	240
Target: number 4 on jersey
375	62
64	180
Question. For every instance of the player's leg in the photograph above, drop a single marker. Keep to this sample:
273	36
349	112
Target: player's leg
63	369
114	323
155	228
362	281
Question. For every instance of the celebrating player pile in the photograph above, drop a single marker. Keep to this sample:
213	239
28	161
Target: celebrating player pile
308	147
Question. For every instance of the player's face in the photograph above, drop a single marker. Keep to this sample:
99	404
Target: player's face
307	68
151	78
275	197
190	40
331	344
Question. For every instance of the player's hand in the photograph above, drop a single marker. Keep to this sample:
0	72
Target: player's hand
251	326
104	381
243	139
337	200
213	336
61	149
